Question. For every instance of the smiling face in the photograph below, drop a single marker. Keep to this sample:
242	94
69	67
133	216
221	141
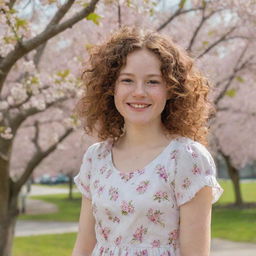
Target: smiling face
140	91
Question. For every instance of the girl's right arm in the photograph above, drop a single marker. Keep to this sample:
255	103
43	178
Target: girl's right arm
86	239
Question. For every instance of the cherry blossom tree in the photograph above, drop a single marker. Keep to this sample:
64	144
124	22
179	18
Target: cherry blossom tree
25	91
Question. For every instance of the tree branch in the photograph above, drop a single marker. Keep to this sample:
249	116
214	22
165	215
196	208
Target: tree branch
236	69
49	32
36	138
177	13
36	160
200	25
221	39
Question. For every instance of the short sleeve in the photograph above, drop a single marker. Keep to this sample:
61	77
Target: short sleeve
82	179
195	168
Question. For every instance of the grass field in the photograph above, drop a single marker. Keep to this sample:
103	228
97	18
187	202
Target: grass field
231	224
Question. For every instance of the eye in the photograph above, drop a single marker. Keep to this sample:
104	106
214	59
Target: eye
126	80
153	82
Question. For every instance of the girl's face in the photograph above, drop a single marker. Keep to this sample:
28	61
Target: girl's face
140	91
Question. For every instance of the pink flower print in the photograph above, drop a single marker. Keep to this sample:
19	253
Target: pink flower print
154	216
142	253
196	170
103	169
89	159
127	207
104	153
105	232
96	183
109	172
141	171
126	176
194	154
142	187
156	243
111	217
85	187
162	172
208	172
113	193
100	190
111	253
101	250
186	183
161	196
173	237
118	240
138	234
174	154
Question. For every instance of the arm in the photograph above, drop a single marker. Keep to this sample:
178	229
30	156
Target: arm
86	239
195	224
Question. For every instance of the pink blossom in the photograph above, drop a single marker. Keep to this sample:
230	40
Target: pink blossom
142	187
154	216
196	170
113	193
127	207
138	235
186	183
118	240
156	243
162	172
159	196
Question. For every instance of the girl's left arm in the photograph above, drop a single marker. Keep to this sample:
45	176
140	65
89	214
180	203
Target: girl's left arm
195	224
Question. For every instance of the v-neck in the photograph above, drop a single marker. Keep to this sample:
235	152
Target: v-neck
146	166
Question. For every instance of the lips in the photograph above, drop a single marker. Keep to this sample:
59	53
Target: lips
139	105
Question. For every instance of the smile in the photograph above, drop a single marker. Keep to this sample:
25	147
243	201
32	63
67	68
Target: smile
138	106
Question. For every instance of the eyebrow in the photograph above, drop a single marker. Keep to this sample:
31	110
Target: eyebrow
131	74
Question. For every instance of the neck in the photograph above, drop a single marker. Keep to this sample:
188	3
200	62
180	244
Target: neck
143	136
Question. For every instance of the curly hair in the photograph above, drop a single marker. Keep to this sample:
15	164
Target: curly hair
187	111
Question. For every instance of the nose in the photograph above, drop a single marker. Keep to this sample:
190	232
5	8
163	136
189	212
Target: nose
139	89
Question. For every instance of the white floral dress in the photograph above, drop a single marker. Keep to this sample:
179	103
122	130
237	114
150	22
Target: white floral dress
137	213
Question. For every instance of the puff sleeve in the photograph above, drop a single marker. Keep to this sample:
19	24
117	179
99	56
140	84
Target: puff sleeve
195	168
82	179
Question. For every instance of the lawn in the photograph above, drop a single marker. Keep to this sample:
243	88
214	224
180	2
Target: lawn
44	245
68	209
231	224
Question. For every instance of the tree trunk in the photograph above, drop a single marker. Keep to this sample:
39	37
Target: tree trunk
70	182
234	175
7	227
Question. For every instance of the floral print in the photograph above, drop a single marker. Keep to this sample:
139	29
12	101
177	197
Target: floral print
154	216
161	196
142	187
137	213
139	233
162	172
113	193
127	207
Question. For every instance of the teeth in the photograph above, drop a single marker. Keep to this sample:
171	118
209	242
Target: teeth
139	105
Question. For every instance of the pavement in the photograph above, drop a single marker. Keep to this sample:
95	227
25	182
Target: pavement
219	247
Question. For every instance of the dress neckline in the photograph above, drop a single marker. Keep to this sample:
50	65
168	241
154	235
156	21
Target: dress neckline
146	166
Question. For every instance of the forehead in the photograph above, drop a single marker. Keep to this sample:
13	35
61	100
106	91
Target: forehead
144	61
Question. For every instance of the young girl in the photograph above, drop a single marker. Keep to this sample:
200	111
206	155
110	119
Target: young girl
149	184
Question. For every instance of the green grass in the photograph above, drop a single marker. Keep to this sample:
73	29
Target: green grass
248	190
69	210
44	245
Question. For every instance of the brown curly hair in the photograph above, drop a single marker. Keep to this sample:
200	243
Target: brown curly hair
186	112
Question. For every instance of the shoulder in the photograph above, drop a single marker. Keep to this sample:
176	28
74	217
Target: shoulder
99	149
187	147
